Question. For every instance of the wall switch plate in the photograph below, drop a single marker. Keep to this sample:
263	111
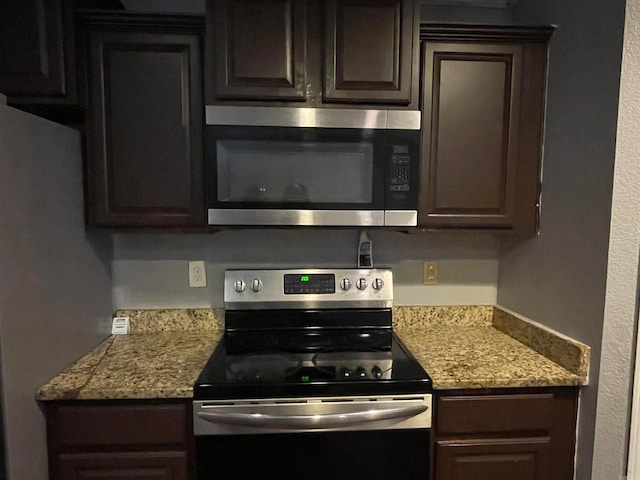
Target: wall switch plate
430	273
197	274
120	326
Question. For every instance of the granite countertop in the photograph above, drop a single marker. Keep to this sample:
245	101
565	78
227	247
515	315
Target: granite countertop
160	358
475	357
460	347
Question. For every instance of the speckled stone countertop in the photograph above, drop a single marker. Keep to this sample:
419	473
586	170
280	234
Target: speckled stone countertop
472	357
460	347
488	347
160	358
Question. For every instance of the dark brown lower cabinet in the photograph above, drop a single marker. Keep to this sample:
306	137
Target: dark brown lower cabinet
120	466
522	459
506	435
120	440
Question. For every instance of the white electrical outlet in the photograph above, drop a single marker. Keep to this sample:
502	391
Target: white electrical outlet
197	274
120	326
430	276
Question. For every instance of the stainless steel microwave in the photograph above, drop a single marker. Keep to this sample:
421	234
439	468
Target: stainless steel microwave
271	166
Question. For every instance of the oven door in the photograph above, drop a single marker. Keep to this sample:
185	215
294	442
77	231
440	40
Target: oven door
374	438
370	455
311	176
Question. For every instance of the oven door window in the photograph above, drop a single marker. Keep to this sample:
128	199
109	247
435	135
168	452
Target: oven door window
292	172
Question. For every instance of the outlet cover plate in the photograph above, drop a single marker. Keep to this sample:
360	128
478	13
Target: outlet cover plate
430	273
197	274
120	326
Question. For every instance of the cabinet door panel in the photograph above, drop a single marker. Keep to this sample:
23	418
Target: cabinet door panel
33	64
368	51
146	153
260	49
124	466
471	133
522	459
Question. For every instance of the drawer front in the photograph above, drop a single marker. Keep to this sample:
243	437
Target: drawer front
168	465
487	414
73	426
514	459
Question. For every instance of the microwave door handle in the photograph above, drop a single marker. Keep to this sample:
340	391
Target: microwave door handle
293	422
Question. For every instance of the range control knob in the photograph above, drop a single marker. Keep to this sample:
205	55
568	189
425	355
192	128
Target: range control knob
377	284
361	373
361	284
345	373
256	285
239	286
376	371
345	284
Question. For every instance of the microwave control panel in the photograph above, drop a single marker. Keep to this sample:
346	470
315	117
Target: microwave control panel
400	163
400	181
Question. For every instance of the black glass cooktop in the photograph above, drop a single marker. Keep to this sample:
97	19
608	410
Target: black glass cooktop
296	363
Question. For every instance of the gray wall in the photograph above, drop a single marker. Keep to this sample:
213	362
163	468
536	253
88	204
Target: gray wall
559	278
151	271
55	282
621	307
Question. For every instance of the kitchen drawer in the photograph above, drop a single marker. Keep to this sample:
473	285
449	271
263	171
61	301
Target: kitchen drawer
500	459
492	414
121	426
166	465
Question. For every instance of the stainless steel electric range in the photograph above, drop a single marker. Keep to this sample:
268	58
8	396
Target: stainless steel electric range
310	382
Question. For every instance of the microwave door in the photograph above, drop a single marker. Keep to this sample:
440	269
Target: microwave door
274	176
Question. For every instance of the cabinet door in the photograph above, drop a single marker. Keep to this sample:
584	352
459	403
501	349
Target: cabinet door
482	135
369	51
259	49
518	458
145	150
505	434
33	54
124	466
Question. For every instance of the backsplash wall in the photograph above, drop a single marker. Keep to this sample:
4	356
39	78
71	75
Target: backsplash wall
151	270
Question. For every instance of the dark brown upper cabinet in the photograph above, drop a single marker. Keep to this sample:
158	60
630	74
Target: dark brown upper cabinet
145	123
260	49
37	60
281	52
483	95
369	51
33	57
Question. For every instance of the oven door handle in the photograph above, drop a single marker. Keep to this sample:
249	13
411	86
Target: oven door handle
293	422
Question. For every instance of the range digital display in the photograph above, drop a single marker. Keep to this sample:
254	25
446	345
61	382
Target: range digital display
309	283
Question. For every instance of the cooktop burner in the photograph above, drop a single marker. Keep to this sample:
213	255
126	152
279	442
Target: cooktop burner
262	366
282	342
